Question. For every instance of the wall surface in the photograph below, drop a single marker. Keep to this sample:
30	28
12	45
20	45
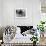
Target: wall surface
33	12
0	12
36	12
1	17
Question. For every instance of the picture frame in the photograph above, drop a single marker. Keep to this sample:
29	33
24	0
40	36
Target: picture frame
21	13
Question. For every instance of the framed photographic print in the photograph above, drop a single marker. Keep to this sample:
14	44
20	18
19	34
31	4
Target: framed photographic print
21	13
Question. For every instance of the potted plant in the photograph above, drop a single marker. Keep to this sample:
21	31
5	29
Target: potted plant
34	39
41	27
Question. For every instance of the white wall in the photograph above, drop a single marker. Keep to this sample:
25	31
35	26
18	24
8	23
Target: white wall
0	12
36	12
33	12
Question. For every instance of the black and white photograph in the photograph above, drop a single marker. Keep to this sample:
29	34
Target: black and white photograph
20	13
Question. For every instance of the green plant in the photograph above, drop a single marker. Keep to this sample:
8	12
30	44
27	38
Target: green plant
41	26
34	39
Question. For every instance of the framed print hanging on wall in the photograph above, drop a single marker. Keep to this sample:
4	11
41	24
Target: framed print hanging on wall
21	13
